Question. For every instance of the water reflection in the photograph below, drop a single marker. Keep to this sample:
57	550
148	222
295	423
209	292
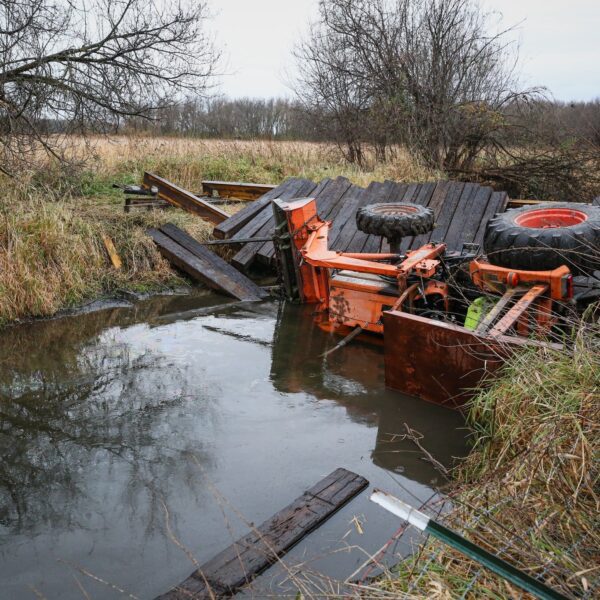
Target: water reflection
109	417
354	376
76	399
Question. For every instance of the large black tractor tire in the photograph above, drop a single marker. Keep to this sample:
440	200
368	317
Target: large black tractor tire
395	221
545	236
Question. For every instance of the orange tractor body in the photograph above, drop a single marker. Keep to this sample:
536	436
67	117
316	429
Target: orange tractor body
407	300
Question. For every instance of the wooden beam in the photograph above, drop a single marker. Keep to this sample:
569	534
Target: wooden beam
237	189
115	259
203	265
183	199
240	563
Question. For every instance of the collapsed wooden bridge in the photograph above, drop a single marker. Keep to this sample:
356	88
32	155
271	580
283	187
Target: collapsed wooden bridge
461	211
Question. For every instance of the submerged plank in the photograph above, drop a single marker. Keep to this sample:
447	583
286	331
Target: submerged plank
240	563
205	266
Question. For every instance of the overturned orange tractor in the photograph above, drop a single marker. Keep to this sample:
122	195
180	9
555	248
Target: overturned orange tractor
447	318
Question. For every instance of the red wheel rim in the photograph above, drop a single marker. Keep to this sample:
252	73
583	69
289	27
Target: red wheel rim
550	218
395	209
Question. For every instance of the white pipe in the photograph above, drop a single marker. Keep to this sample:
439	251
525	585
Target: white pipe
400	509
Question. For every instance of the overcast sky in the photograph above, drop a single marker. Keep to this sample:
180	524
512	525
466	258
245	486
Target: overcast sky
559	43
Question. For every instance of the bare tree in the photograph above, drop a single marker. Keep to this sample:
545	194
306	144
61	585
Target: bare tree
72	66
427	73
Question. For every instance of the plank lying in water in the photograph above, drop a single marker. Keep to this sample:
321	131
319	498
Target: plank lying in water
203	265
230	570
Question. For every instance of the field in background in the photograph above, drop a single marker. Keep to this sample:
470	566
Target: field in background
52	222
188	161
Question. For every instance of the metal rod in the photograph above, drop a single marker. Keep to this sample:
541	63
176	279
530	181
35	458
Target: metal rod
464	546
238	241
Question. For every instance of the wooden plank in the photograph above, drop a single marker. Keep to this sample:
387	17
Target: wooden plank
237	189
435	204
464	205
233	225
226	573
496	204
327	207
210	269
448	208
246	256
345	220
183	199
288	189
467	217
115	259
199	250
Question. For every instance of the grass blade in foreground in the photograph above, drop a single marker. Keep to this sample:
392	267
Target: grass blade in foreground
497	565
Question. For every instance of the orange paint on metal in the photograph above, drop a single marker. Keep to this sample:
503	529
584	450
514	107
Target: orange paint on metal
515	313
492	278
549	218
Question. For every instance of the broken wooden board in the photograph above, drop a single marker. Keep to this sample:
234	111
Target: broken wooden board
240	563
181	198
203	265
236	189
115	259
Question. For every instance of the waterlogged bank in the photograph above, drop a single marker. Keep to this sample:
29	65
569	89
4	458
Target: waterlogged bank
130	430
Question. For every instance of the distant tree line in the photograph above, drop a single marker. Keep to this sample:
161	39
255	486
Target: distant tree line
284	119
241	118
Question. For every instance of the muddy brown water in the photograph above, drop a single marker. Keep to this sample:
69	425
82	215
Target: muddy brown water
131	433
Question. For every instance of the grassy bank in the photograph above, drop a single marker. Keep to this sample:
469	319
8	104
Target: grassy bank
529	489
53	220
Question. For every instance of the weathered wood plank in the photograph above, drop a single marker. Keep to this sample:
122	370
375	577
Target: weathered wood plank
210	270
237	189
183	199
447	211
497	203
467	216
246	256
199	250
472	215
435	204
463	205
287	189
327	202
345	220
240	563
227	229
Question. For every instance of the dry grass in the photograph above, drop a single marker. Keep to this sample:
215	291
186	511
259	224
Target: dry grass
188	161
52	222
52	255
529	489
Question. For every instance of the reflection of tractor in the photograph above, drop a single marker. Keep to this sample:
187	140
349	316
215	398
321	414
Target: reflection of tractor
441	333
353	378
